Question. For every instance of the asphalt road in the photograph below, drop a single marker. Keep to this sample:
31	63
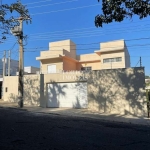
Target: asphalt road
21	130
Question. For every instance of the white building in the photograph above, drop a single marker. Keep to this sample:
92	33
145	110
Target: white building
13	67
30	70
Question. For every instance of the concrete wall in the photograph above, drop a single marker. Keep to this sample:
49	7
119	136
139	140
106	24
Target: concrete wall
120	91
116	91
69	65
66	47
31	69
93	65
57	61
113	65
88	57
71	51
127	57
11	84
112	45
32	89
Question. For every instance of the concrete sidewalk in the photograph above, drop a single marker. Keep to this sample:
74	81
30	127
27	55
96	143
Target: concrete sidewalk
80	113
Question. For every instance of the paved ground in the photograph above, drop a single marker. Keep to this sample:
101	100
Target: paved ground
23	130
84	113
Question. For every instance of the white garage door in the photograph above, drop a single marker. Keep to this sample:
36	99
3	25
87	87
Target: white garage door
72	95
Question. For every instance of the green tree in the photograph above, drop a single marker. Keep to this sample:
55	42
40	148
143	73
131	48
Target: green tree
118	10
7	19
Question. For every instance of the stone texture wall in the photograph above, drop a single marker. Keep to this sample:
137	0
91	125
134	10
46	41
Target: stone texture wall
118	91
114	91
31	89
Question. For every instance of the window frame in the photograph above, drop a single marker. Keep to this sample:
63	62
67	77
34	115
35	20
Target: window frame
112	60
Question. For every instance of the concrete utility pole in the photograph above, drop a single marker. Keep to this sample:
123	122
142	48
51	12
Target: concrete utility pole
9	58
21	71
4	61
18	31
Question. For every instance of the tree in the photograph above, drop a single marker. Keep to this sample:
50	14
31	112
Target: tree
118	10
6	23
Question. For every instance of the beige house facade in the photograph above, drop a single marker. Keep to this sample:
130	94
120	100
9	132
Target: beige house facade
108	85
62	56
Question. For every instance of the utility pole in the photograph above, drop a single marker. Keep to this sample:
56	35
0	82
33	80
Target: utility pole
140	62
21	72
18	31
9	58
4	61
4	71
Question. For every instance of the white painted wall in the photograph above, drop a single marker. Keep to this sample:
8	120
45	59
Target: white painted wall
13	67
30	69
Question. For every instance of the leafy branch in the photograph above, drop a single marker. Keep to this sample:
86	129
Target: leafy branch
118	10
6	23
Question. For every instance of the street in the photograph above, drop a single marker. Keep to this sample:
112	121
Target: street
22	130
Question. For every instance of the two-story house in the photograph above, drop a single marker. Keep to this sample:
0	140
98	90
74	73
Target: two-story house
61	56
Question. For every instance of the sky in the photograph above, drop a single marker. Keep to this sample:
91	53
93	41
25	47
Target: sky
54	20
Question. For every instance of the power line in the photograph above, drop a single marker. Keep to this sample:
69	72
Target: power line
52	4
137	63
13	46
117	48
78	35
108	30
75	36
91	31
89	28
84	44
65	10
37	2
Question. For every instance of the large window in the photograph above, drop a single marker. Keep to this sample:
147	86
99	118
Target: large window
86	68
109	60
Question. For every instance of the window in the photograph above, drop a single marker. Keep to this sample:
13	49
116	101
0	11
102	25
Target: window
86	68
118	59
51	69
109	60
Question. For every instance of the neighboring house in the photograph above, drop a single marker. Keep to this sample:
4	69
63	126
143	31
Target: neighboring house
13	67
30	70
61	56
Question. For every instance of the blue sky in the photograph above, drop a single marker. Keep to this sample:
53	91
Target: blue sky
74	19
